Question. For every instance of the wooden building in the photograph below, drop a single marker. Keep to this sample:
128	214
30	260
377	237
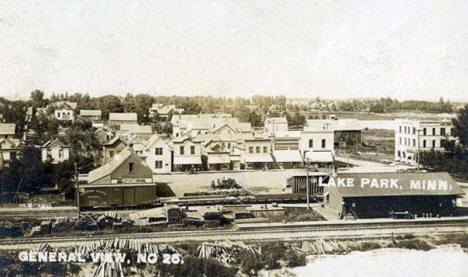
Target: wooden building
374	195
125	181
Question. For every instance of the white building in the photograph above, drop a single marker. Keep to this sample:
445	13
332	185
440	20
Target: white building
55	151
415	135
64	115
159	154
163	111
275	124
202	124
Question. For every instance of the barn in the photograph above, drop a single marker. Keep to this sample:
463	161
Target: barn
123	182
380	195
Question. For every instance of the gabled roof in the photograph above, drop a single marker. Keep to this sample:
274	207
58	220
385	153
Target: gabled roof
90	112
64	105
277	120
54	143
7	128
123	116
113	141
155	138
136	129
8	143
110	167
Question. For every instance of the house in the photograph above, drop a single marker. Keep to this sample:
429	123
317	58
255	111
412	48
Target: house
159	154
63	105
131	130
286	149
95	116
9	148
275	124
374	195
104	134
125	180
112	148
200	124
413	136
163	111
7	130
117	119
223	150
55	151
64	115
187	153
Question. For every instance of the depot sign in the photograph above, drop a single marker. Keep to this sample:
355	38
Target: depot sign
385	183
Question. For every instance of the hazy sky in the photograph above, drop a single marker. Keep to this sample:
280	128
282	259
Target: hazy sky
368	48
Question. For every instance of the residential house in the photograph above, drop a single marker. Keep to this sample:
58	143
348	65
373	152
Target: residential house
9	149
55	151
125	180
163	111
112	148
7	130
199	124
95	116
222	150
159	154
413	136
130	130
64	115
117	119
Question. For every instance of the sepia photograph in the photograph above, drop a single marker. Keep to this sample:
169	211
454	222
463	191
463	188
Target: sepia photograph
249	138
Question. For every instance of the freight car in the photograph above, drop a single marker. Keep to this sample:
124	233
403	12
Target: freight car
122	195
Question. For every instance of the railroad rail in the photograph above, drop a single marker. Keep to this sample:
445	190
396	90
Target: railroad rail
335	230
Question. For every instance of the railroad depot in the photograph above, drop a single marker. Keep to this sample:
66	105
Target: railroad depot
374	195
125	181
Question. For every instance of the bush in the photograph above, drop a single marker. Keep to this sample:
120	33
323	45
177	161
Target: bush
250	263
414	244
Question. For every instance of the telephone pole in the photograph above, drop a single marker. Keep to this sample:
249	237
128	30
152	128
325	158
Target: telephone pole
77	189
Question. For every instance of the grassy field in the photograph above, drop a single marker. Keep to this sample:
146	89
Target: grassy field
383	139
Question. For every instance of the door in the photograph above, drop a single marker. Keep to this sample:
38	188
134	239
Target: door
129	196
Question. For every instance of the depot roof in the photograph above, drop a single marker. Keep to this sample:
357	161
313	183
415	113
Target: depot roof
395	184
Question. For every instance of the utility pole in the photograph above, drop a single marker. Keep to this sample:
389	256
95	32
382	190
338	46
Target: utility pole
77	189
307	184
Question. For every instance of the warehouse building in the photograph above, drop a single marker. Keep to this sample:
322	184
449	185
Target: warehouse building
125	181
380	195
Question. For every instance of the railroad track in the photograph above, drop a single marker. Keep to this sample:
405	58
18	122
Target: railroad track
285	233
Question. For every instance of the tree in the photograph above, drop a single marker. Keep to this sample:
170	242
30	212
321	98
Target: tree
460	125
37	98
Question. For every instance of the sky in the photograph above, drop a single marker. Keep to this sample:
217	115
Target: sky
414	49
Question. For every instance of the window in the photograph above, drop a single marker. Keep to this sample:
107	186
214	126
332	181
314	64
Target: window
60	153
158	164
182	150
257	149
433	144
424	131
433	131
158	151
442	131
414	142
131	167
400	140
311	143
13	155
324	143
250	149
400	129
424	143
192	150
399	153
229	145
265	149
414	130
111	154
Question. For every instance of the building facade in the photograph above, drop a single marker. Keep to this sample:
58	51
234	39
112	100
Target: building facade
413	136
